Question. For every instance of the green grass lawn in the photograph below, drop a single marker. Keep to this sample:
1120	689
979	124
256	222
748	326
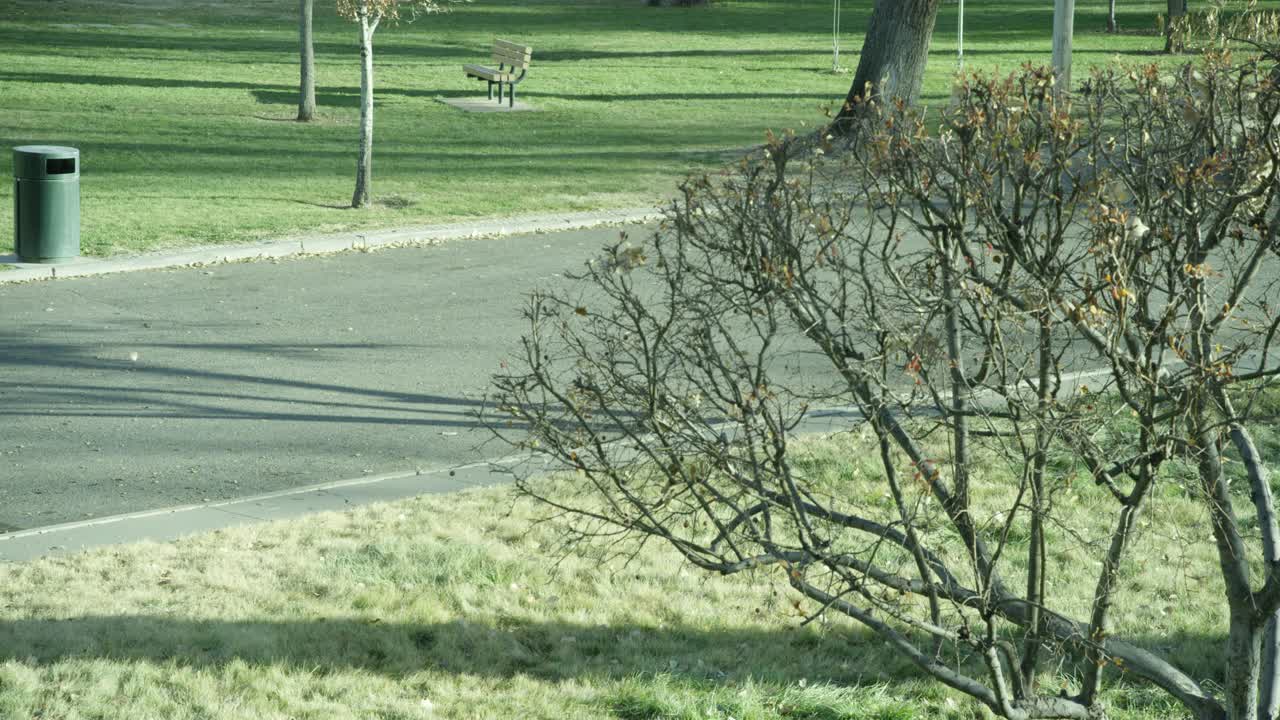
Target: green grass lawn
182	109
460	606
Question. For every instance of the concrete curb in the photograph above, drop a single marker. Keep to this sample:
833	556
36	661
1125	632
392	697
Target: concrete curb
325	244
171	523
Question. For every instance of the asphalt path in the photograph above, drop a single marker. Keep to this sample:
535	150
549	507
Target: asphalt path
145	390
153	389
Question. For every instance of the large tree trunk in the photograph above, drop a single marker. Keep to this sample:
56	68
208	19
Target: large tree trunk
307	63
894	53
1176	14
364	161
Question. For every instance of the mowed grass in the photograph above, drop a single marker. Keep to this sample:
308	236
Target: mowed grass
461	606
182	110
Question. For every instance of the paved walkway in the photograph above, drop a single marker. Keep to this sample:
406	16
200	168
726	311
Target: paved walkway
154	404
215	380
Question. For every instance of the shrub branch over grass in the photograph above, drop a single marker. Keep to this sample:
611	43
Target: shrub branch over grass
971	291
462	601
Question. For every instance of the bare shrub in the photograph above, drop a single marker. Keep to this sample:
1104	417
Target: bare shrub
1015	295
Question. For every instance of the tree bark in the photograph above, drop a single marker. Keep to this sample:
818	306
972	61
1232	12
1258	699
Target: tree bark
1176	13
1260	481
364	160
307	64
893	56
1063	28
1111	17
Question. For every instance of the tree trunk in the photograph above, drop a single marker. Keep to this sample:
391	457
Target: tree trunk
1244	663
893	55
307	84
1111	17
364	161
1064	12
1264	505
1176	14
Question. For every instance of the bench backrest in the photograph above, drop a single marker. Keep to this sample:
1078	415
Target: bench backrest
511	54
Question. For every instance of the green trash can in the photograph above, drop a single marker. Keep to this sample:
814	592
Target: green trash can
46	203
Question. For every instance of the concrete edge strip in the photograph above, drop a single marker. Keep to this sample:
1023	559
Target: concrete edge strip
326	244
229	504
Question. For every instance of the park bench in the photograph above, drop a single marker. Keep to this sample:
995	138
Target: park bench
509	57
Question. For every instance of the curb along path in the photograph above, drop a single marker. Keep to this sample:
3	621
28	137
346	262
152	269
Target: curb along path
325	244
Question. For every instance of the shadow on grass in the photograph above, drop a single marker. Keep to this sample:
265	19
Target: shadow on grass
223	47
229	158
326	206
547	650
272	94
352	99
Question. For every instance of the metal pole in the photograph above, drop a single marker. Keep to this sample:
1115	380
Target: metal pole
960	38
1063	22
835	36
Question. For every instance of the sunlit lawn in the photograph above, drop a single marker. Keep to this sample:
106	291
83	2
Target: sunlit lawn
459	607
182	109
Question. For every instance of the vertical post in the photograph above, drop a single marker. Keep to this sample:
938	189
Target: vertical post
1063	21
306	64
835	36
960	38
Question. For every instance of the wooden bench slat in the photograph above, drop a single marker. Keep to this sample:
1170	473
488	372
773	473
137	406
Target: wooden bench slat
511	62
512	47
512	52
488	73
518	56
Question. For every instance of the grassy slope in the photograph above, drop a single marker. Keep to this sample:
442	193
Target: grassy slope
182	109
368	613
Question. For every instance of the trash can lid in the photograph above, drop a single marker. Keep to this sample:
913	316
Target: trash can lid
49	151
46	162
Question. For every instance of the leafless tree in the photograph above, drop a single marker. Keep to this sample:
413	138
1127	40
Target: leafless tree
1011	294
368	15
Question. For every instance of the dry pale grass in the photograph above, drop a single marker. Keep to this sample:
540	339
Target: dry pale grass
460	607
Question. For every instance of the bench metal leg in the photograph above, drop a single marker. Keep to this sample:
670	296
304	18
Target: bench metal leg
499	93
490	89
511	94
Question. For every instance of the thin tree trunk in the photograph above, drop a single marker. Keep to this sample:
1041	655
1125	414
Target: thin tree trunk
307	83
1260	481
364	161
1244	663
1036	547
893	57
1176	14
1095	655
1064	12
1111	17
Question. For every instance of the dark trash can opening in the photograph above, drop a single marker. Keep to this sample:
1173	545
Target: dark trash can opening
60	166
